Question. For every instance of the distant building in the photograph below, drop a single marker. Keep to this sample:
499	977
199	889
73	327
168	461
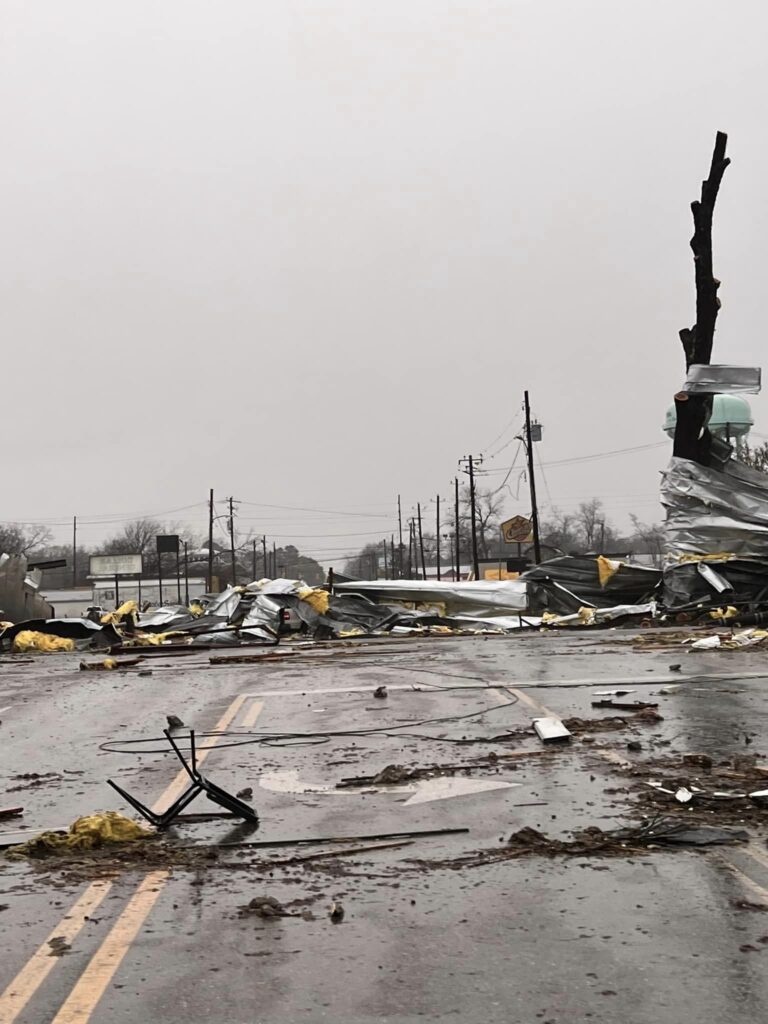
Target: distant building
69	604
141	591
73	603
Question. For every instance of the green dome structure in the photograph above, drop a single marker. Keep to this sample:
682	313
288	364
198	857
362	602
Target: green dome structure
731	418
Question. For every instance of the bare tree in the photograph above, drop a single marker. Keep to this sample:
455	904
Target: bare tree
648	538
136	538
692	438
488	510
591	521
20	539
560	531
756	457
364	565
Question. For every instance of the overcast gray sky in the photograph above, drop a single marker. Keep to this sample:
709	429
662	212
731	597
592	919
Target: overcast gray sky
310	253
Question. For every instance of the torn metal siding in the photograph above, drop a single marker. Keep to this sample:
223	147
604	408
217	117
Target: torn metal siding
703	379
711	511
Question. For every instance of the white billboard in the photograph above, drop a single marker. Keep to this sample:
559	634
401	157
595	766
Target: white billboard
115	565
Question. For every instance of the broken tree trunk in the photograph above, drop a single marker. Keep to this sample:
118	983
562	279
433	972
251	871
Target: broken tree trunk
692	438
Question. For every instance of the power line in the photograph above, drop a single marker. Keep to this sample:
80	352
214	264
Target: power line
103	519
323	511
501	434
576	459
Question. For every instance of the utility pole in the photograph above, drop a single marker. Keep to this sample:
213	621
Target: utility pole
437	536
232	539
264	553
532	483
456	536
471	460
274	560
421	543
254	559
400	528
210	542
74	551
410	549
186	575
386	567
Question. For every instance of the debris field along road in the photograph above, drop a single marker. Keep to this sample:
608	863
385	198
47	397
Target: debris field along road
542	911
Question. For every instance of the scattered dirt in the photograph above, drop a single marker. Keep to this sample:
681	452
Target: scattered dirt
581	725
393	774
33	780
736	775
26	776
697	760
747	905
264	906
528	841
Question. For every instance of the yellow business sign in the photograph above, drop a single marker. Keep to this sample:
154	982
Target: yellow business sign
516	530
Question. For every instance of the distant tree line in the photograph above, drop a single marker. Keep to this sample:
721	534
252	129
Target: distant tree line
139	537
588	529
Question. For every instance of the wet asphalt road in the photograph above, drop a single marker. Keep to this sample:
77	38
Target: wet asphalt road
653	936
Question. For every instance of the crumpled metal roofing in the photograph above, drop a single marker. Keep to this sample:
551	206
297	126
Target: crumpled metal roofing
711	511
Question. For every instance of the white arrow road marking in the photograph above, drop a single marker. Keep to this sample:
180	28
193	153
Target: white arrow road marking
288	782
424	791
444	787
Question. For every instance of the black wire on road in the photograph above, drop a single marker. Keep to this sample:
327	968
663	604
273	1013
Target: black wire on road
296	739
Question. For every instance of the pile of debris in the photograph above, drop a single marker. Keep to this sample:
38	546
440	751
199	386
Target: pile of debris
265	611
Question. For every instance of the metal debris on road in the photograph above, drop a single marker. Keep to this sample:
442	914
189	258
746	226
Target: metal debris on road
551	730
198	784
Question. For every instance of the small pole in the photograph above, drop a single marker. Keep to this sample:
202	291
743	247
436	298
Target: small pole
232	540
186	574
470	460
254	558
532	483
178	572
274	560
117	591
410	548
456	537
386	568
421	543
210	542
475	563
264	553
400	528
437	537
160	576
74	551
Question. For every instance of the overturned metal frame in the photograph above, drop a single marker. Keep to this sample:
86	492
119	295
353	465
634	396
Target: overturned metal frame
199	784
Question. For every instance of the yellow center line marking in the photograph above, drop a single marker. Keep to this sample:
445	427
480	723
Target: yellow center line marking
35	971
41	963
502	692
252	714
754	851
747	881
108	957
